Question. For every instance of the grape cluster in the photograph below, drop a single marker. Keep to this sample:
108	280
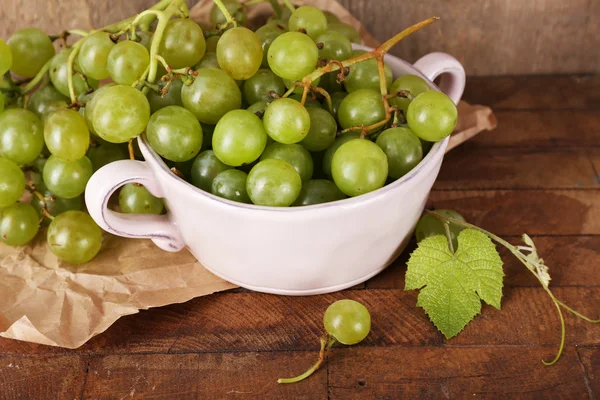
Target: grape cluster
286	115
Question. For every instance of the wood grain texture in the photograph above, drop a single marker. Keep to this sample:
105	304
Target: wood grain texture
590	358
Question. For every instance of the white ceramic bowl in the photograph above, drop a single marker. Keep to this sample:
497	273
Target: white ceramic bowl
291	251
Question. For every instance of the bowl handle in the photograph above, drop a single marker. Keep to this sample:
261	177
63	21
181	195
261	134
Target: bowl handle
106	181
453	79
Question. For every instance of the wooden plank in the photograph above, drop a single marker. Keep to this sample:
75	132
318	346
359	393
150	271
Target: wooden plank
535	212
202	376
41	377
590	358
517	168
450	373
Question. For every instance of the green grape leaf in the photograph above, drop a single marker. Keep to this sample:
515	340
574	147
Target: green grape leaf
453	285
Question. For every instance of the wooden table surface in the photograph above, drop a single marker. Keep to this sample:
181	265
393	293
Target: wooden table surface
539	173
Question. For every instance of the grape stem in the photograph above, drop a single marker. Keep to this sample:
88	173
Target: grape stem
534	264
289	5
229	19
45	212
130	148
326	343
34	82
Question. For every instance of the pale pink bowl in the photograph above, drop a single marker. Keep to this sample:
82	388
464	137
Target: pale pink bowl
291	251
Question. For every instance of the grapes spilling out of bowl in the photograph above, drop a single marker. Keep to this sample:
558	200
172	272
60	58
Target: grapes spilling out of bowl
284	115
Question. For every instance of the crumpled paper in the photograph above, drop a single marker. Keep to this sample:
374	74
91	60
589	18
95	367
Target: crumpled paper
46	301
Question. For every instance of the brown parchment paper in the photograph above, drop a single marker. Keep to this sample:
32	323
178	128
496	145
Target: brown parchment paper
43	300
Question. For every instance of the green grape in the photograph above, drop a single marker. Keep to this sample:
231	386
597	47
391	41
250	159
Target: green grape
182	44
19	223
365	75
145	39
328	157
184	167
30	48
258	87
402	148
66	134
213	94
88	110
323	129
59	75
335	46
413	83
336	100
309	20
281	24
231	184
258	108
5	58
239	138
432	116
293	55
93	55
331	17
55	205
120	113
293	154
136	199
208	61
240	53
286	121
362	107
318	191
12	182
127	61
267	34
346	30
329	82
106	153
429	225
205	169
273	183
348	321
46	100
358	167
171	98
21	136
74	237
175	134
211	44
286	13
67	179
235	9
1	102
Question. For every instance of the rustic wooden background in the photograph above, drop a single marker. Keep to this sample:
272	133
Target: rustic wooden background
490	37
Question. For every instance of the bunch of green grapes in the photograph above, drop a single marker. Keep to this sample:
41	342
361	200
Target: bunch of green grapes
223	106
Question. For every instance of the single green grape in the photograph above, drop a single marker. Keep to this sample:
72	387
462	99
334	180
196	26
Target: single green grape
402	148
12	182
208	61
235	9
336	46
358	167
59	75
231	185
413	83
93	55
67	179
365	75
267	34
293	154
182	44
88	110
120	113
46	100
258	87
30	49
348	321
174	133
273	183
429	225
323	129
211	44
432	116
293	55
21	136
318	191
286	121
66	134
5	57
362	107
280	23
331	17
205	169
19	223
55	205
212	95
328	157
136	199
145	39
309	20
258	108
127	61
74	237
240	53
171	98
346	30
239	138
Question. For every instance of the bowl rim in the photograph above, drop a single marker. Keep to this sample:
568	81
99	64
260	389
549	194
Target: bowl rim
435	154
